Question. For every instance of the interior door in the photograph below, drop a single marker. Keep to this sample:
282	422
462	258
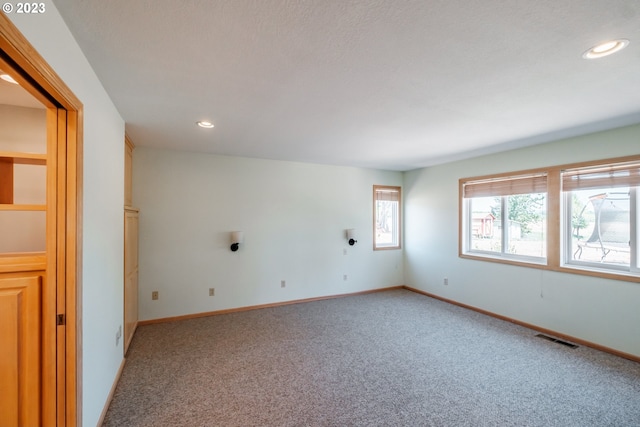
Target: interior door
47	273
28	256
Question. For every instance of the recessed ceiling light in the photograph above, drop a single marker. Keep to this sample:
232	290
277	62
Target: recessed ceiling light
604	49
204	124
8	78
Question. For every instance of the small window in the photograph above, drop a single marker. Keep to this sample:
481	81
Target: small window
506	217
386	211
601	217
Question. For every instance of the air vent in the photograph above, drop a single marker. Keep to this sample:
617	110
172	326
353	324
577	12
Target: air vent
548	338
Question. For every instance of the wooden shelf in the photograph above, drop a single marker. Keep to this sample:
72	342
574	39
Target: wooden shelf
7	160
23	158
11	207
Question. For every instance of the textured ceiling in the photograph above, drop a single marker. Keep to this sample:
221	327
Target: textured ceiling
390	84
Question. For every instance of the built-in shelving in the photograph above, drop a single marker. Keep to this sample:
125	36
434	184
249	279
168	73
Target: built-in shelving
7	160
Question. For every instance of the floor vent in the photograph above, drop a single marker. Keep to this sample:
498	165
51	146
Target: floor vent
548	338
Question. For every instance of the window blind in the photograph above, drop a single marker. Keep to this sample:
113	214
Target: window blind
506	186
607	176
389	194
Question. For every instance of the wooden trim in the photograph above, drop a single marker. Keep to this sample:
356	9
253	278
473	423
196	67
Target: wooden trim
582	271
103	414
73	356
60	144
128	141
554	219
260	306
7	207
6	181
24	80
51	371
462	231
529	326
400	211
33	261
34	68
42	81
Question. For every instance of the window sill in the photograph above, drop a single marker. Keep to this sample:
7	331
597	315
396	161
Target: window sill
567	268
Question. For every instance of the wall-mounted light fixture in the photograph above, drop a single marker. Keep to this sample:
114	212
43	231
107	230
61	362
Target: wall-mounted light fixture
237	237
351	234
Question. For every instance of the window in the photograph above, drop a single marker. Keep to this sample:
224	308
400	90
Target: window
579	218
506	217
386	221
600	206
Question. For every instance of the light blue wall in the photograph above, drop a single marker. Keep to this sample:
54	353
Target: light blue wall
102	217
293	215
597	310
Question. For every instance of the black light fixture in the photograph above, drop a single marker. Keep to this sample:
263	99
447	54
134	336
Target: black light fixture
351	234
237	237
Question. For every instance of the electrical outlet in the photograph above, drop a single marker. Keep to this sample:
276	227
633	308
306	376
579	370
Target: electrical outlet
212	292
154	295
283	283
446	281
345	277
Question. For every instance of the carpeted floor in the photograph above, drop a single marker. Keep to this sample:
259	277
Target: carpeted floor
393	358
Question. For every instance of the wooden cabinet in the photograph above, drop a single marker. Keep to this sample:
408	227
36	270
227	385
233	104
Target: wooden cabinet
130	250
20	348
130	275
128	171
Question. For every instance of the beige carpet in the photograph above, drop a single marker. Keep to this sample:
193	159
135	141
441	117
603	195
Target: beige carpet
392	358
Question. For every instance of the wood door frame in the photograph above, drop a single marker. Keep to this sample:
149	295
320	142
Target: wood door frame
47	86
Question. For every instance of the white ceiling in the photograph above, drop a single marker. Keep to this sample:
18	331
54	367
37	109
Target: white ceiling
390	84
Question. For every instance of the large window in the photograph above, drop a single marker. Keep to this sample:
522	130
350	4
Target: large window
601	216
580	218
386	222
506	217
